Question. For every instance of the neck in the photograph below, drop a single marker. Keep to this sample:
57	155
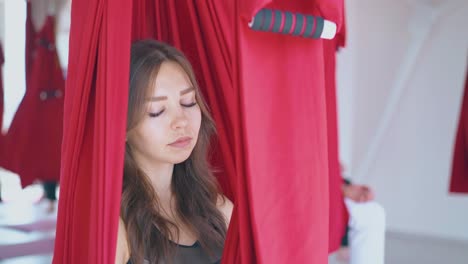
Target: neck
160	175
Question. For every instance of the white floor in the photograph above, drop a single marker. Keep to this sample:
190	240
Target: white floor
404	248
27	236
34	259
26	230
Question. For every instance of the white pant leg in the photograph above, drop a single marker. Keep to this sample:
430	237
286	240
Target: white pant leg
367	232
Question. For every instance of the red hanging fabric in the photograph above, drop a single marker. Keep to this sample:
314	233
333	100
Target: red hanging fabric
94	132
459	179
283	95
338	214
143	19
32	144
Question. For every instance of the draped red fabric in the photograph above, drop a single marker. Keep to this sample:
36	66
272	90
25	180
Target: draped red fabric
459	179
282	92
94	132
32	144
144	19
338	213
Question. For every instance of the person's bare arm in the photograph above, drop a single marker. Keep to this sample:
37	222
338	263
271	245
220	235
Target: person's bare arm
225	206
122	254
358	193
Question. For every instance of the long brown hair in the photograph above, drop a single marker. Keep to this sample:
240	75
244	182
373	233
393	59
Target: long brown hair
193	184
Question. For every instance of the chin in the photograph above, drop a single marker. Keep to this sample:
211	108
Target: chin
180	159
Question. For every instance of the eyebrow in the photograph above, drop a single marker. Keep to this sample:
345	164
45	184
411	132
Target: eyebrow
186	91
161	98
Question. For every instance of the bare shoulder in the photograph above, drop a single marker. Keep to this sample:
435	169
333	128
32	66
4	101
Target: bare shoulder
122	254
225	206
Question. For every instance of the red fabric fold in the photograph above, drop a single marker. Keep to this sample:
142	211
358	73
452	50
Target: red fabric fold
248	8
339	217
459	178
94	132
338	213
282	82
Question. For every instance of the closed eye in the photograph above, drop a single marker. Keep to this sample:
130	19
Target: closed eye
189	105
156	114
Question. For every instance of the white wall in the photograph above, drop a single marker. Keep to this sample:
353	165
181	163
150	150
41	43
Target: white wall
13	69
2	22
399	92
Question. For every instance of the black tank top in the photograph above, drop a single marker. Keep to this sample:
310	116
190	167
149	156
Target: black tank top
193	254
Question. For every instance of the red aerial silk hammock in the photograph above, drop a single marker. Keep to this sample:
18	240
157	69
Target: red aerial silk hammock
93	132
283	82
266	92
338	213
459	179
32	144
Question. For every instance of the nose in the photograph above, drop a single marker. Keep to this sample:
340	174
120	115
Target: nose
179	121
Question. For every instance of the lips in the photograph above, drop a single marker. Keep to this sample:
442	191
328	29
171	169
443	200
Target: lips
181	142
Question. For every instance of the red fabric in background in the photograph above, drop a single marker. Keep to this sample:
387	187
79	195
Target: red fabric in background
32	144
94	132
338	220
144	19
338	213
459	179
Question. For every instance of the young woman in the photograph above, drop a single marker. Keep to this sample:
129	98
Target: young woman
171	208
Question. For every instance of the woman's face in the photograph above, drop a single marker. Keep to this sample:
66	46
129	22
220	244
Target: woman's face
169	130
